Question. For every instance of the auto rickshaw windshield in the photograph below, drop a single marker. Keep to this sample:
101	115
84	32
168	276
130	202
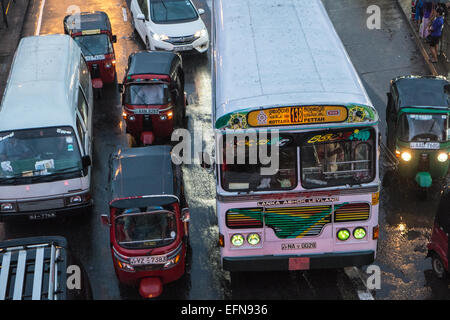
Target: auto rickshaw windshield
147	94
423	127
142	228
96	44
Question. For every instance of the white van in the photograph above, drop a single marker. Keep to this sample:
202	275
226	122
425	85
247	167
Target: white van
46	130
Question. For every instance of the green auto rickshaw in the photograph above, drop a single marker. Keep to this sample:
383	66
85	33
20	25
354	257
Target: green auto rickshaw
417	117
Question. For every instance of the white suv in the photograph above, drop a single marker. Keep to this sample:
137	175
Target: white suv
172	25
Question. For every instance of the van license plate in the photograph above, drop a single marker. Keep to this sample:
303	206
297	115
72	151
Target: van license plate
42	216
298	246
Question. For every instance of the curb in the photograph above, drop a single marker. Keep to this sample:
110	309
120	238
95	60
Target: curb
418	41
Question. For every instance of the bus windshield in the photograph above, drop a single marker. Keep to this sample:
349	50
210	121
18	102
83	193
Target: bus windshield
245	176
140	228
38	154
338	158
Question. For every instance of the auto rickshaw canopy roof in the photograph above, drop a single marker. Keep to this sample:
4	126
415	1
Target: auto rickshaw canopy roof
142	177
153	62
423	91
96	20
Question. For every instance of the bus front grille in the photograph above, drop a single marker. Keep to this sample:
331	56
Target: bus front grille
347	212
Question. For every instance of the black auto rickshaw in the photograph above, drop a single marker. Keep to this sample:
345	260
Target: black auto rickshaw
149	218
417	117
153	97
438	245
92	31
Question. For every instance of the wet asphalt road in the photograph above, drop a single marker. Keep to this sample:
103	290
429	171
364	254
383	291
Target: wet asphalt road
405	222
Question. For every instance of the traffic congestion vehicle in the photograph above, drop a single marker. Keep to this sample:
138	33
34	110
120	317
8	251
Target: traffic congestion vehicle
438	245
153	97
171	25
149	218
46	131
92	31
315	205
417	117
41	268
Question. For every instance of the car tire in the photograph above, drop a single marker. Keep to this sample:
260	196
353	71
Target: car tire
438	266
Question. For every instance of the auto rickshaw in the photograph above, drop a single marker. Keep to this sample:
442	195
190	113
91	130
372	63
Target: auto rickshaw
92	31
417	117
153	97
149	218
438	245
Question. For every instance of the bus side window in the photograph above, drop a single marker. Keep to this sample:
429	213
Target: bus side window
83	107
81	134
85	79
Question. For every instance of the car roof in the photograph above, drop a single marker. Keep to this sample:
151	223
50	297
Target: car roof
42	91
87	21
140	172
152	62
423	92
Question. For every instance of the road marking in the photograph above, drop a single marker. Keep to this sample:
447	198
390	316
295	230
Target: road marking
124	12
41	11
360	284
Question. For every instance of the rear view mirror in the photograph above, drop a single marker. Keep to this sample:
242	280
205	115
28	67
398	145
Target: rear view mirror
105	220
140	16
86	161
185	215
201	11
114	38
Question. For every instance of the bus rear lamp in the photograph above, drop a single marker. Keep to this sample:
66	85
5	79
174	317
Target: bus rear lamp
343	234
237	240
375	232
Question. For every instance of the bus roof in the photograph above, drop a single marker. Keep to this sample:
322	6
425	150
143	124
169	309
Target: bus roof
42	84
272	53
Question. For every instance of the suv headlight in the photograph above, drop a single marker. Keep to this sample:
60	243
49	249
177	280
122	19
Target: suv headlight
160	37
201	33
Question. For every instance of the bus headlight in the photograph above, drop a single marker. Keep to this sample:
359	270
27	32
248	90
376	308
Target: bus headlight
406	156
237	240
442	157
253	239
343	234
359	233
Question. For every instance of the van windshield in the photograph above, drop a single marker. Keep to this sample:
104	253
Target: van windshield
39	154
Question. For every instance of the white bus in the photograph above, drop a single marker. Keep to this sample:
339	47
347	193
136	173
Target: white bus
46	130
280	68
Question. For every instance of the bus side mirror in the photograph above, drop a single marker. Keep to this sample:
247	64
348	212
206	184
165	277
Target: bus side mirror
105	220
86	161
114	38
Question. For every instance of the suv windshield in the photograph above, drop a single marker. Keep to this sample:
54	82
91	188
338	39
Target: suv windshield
38	154
172	11
147	94
338	158
96	44
423	127
141	228
238	175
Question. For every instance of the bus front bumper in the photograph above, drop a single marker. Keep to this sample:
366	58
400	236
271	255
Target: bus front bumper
295	262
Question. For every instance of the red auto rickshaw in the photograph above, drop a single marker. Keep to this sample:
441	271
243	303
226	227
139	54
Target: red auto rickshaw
149	218
153	97
438	246
92	31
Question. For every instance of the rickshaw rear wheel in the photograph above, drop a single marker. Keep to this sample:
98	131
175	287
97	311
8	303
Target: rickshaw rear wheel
438	266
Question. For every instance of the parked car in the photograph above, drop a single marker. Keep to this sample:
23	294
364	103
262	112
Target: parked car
149	218
438	245
41	268
171	25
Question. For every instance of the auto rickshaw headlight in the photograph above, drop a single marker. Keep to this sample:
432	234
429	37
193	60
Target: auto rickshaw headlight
131	118
237	240
125	266
406	156
253	239
442	157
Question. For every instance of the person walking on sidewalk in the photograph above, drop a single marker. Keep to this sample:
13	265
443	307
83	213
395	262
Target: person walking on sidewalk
424	31
419	12
436	32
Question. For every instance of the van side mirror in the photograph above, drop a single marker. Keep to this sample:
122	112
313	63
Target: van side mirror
105	220
114	38
201	11
140	16
86	161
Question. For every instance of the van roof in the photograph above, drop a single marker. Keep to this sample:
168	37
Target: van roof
272	53
41	88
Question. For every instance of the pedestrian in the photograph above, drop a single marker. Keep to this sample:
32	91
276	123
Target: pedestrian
424	31
419	12
436	32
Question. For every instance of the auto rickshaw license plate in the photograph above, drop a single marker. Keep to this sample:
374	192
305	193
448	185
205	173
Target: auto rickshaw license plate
138	261
425	145
146	111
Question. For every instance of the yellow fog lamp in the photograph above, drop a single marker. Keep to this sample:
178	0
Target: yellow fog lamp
237	240
253	239
343	234
359	233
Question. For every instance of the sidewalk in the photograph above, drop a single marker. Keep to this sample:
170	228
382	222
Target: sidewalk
10	36
440	68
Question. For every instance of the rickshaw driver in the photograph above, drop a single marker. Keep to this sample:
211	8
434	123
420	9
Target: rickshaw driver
152	227
146	94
